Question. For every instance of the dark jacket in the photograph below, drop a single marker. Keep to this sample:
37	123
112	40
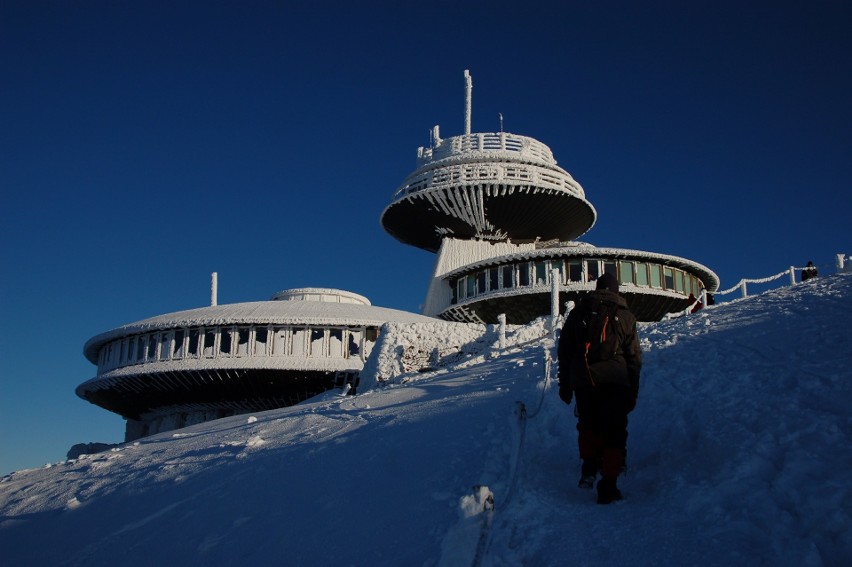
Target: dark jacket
622	369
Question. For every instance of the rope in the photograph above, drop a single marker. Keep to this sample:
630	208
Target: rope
523	416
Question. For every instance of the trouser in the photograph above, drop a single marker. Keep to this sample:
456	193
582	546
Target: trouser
602	426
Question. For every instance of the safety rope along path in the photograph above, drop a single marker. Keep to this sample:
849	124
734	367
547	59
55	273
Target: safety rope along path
523	416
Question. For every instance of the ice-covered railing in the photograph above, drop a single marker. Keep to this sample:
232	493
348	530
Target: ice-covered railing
843	263
527	148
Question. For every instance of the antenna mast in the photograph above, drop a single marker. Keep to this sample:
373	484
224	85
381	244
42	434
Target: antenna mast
468	94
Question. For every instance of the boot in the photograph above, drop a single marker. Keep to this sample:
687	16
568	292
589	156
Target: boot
588	474
611	467
608	491
591	448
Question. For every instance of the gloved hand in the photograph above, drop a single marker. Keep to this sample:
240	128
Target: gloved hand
565	393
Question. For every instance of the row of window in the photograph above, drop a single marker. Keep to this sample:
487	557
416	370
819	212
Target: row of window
242	341
538	273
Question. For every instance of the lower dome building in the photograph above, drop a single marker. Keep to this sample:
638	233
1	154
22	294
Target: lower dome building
182	368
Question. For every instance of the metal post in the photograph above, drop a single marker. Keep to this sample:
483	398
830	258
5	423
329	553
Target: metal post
501	318
792	275
745	289
554	297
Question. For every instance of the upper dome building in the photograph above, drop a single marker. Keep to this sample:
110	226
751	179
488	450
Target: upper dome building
503	216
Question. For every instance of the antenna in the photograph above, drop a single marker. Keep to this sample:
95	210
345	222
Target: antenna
501	122
214	288
468	91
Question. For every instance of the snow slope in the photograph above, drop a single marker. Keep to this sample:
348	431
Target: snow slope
739	453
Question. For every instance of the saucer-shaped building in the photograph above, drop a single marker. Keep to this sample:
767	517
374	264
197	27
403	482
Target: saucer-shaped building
502	217
181	368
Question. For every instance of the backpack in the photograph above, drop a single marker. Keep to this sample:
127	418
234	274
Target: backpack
597	336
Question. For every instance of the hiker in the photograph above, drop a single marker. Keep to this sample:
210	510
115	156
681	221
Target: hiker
809	271
602	372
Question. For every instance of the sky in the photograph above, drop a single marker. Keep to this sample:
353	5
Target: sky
739	454
144	146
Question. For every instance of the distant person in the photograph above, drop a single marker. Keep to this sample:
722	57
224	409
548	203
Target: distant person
693	304
599	362
809	272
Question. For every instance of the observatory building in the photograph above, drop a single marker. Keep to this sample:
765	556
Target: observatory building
182	368
502	217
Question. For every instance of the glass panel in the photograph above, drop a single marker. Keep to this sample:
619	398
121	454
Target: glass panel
656	276
210	343
152	347
279	341
508	277
317	340
225	341
480	282
679	281
575	271
299	345
353	347
242	341
371	335
669	277
335	343
493	283
192	347
260	338
541	273
471	286
123	355
177	351
165	344
592	270
140	348
626	272
460	289
523	274
642	275
610	268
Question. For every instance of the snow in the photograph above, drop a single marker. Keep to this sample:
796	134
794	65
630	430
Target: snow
739	453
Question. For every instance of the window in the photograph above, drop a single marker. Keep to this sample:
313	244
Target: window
242	335
626	275
610	268
541	273
140	348
371	335
353	346
480	282
192	343
165	344
493	277
131	349
669	277
471	286
508	277
335	343
656	276
642	275
524	274
225	341
209	343
317	343
575	271
152	347
280	336
299	345
460	291
260	337
177	349
123	356
679	281
592	270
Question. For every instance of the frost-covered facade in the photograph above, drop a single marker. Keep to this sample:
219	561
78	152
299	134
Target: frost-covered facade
181	368
502	217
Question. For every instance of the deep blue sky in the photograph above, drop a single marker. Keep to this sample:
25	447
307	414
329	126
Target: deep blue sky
144	145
